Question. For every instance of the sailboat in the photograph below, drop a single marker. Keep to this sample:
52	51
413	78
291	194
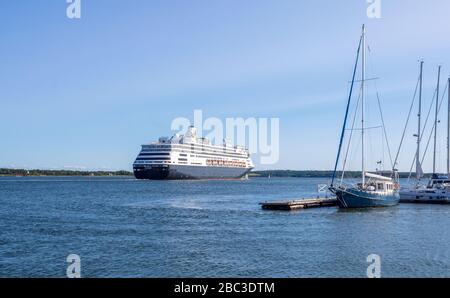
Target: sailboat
374	190
438	188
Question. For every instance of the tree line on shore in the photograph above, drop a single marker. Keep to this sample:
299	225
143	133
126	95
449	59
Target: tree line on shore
37	172
316	173
265	173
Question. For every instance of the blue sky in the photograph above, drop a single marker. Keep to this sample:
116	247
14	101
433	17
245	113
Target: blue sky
86	93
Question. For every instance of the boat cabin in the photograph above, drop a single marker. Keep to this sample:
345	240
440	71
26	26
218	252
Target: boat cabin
438	181
378	184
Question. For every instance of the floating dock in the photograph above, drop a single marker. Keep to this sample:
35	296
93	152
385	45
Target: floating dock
299	204
329	202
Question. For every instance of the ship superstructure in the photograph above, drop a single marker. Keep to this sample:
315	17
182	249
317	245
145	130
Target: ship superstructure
190	157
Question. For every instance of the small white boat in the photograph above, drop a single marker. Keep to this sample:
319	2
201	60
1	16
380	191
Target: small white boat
438	188
437	191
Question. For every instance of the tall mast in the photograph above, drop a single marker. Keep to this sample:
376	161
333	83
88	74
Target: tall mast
346	112
418	167
448	128
363	77
436	120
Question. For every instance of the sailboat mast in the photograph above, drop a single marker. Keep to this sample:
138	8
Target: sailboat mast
363	77
436	120
418	168
346	113
448	128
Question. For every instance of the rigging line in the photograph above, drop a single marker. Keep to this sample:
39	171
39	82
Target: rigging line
410	169
424	126
350	137
384	129
351	158
434	125
383	154
406	124
381	112
371	127
346	111
428	115
429	138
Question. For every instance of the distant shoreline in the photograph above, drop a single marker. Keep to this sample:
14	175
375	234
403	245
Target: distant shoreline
254	174
37	172
317	174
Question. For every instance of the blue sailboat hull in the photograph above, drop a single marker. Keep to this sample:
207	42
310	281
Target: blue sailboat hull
356	198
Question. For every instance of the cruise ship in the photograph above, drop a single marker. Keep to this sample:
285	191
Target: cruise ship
190	157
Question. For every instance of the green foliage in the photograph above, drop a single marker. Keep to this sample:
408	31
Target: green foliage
272	173
36	172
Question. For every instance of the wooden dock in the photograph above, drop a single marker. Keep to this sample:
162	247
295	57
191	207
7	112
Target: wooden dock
299	204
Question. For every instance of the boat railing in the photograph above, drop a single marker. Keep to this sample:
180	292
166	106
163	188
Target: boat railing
345	185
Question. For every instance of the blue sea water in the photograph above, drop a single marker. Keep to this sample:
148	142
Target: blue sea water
122	227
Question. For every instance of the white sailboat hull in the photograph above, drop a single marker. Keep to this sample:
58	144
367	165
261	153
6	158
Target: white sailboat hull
437	196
